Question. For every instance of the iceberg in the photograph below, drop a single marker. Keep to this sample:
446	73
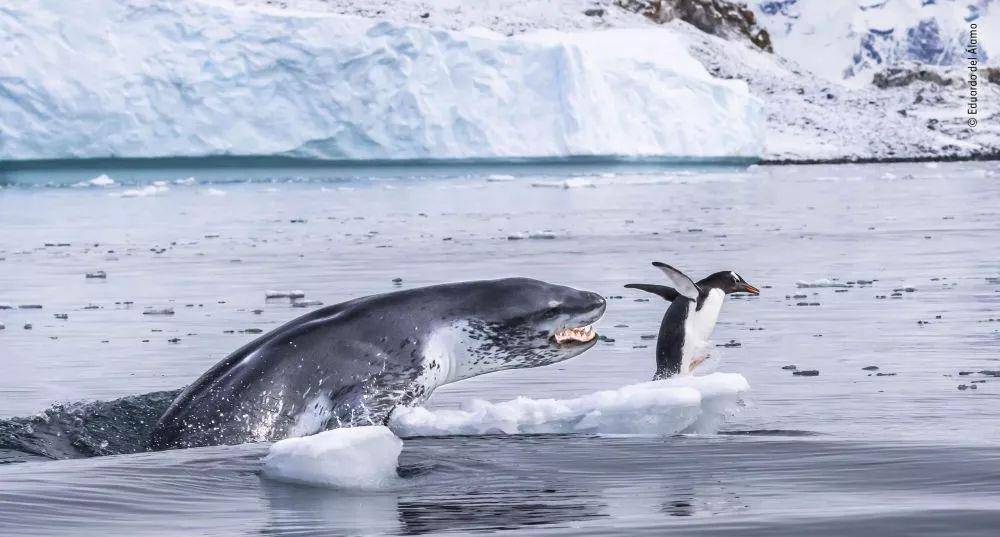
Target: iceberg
142	78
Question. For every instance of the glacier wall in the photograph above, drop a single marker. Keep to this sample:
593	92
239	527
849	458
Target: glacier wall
154	78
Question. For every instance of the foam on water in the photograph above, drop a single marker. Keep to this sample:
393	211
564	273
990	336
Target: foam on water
355	457
676	405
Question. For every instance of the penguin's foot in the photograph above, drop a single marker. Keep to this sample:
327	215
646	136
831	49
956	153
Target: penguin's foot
697	362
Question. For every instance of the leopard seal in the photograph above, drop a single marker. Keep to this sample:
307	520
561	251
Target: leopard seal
352	363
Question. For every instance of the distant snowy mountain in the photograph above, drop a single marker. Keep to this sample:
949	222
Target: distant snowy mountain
850	39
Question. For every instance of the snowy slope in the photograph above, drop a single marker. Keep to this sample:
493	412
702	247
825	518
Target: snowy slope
849	39
146	78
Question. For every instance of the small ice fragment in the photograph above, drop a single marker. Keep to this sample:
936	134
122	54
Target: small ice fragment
97	274
158	311
306	303
542	235
62	316
284	294
185	182
101	180
158	187
822	282
6	306
351	458
499	177
575	182
2	326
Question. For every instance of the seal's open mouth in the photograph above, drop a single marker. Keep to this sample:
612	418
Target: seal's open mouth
581	334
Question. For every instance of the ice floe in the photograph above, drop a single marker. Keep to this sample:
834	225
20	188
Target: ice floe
354	458
689	404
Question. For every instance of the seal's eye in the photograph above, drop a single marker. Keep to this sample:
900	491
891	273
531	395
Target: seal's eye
550	313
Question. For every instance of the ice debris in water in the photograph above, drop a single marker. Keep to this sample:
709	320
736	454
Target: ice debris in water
271	294
822	282
354	457
101	180
158	187
575	182
687	404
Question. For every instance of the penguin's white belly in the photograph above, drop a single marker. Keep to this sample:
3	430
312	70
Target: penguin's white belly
698	327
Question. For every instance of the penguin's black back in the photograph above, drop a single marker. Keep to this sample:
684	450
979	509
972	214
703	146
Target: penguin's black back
670	341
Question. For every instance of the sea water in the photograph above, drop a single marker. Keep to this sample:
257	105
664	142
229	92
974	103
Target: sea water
891	267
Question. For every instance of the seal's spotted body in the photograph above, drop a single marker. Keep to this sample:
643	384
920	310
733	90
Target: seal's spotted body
352	363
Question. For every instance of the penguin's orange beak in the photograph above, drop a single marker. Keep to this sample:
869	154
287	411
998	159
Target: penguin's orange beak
747	288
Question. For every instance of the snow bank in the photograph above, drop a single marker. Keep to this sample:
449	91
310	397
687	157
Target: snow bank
139	78
670	406
356	457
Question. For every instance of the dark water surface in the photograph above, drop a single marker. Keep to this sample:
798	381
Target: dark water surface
843	453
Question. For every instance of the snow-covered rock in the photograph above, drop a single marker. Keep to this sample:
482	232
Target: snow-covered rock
147	78
850	39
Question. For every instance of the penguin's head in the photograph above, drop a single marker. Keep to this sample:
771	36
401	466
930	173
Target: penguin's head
728	282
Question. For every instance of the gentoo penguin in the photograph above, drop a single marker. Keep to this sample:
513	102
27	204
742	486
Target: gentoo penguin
682	344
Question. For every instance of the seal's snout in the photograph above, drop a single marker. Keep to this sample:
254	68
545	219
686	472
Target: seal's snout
588	308
595	302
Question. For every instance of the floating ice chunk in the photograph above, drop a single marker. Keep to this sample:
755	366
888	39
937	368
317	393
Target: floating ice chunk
306	303
284	294
158	311
541	235
822	282
158	187
670	406
499	178
355	458
185	182
576	182
101	180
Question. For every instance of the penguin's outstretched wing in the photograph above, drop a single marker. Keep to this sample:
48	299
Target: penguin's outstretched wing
669	293
684	285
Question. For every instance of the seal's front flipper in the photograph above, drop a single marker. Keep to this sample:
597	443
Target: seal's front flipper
680	281
668	293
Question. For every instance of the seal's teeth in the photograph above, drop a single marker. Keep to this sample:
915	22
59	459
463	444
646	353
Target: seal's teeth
581	334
